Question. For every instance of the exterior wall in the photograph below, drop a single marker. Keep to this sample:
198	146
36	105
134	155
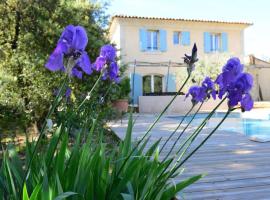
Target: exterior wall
130	41
181	105
116	36
255	90
260	71
161	71
261	81
264	82
125	33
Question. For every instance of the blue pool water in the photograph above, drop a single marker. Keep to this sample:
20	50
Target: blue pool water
251	125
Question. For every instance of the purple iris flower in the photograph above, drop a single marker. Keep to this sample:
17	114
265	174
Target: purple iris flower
247	102
197	93
243	83
233	66
236	84
108	52
107	64
209	87
71	45
192	59
112	73
230	73
239	91
99	64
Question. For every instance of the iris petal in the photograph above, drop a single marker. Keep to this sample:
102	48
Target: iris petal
75	72
109	52
198	93
234	66
247	102
100	62
67	35
80	38
55	61
85	64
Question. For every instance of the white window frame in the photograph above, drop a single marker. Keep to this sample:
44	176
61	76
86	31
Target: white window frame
152	82
179	35
152	40
215	46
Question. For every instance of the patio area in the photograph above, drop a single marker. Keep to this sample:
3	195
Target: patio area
236	167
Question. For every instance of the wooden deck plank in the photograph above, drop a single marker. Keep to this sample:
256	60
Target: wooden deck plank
237	168
247	193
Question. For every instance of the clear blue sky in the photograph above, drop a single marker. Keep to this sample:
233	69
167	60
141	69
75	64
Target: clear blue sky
257	37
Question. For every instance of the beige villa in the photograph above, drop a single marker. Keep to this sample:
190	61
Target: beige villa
153	49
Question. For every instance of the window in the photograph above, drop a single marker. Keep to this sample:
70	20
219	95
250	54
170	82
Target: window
215	42
176	37
152	83
152	40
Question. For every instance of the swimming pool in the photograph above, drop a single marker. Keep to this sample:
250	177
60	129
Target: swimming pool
256	125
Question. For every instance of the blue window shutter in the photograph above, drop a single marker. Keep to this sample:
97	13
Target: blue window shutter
143	39
207	42
175	37
217	43
171	87
137	90
185	38
163	40
224	42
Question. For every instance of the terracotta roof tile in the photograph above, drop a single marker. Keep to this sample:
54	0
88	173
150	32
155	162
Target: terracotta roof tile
179	19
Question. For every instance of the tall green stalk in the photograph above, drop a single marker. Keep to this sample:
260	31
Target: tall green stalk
153	124
172	134
200	145
166	108
196	132
201	126
53	107
89	94
88	97
182	132
42	131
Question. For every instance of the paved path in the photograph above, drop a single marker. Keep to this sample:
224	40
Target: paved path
237	168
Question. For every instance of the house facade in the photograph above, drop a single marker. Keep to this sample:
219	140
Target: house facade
153	47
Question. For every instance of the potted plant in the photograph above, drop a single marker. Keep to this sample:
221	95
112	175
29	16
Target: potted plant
121	97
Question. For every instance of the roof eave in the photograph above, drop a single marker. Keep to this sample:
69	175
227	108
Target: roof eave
180	19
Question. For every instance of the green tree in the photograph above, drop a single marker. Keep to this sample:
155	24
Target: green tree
209	66
29	30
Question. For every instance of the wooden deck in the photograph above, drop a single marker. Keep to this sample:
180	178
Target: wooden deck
236	167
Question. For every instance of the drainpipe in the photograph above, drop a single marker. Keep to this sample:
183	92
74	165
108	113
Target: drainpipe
133	76
168	72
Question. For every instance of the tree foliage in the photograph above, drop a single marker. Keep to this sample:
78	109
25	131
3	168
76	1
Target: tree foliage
29	30
210	66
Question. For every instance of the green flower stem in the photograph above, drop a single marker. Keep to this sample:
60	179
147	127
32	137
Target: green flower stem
152	126
42	131
194	135
201	126
196	132
172	134
200	145
54	105
88	97
165	109
182	132
89	94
